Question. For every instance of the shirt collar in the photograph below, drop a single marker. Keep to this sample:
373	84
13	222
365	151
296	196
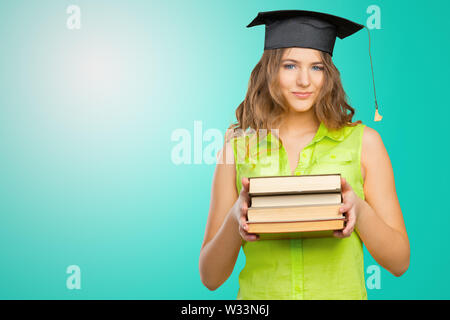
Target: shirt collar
323	131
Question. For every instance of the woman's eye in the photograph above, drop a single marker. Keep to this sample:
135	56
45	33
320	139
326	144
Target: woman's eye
317	68
286	66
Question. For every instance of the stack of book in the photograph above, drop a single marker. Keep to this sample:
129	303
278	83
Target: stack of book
295	206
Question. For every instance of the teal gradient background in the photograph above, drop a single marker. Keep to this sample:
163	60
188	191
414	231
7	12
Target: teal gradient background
86	117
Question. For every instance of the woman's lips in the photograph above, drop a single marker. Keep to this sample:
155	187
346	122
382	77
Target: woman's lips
301	95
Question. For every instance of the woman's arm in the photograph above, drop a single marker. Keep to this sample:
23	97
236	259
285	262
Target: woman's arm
380	223
223	238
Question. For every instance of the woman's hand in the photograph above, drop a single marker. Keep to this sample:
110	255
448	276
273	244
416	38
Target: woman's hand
349	209
241	209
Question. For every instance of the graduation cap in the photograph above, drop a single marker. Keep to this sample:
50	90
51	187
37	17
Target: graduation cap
307	29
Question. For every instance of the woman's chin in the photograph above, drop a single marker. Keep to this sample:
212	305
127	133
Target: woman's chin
301	108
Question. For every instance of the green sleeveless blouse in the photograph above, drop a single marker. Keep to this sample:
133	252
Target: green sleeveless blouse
314	268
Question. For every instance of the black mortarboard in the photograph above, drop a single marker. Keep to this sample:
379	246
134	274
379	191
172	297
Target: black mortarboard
306	29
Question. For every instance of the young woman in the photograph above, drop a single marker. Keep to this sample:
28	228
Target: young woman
297	89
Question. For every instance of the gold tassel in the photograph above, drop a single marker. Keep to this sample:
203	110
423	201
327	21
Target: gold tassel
378	117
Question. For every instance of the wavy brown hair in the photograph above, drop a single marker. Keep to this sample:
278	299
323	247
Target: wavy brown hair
264	104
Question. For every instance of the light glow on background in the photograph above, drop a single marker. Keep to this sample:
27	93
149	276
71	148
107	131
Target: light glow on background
86	118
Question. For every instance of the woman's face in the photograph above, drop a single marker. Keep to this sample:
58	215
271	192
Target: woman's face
301	77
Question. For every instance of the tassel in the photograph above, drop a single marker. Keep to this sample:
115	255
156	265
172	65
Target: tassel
378	117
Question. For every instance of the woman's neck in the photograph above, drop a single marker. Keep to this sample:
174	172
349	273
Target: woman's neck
297	124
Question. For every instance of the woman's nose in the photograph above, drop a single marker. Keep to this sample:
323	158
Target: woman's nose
303	78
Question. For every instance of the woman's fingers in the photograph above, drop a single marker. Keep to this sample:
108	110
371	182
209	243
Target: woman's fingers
350	218
243	226
345	207
244	191
248	236
244	210
350	223
245	183
348	209
344	184
349	226
243	223
243	230
338	234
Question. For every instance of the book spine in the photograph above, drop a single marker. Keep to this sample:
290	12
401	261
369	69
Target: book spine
294	213
305	226
274	193
278	220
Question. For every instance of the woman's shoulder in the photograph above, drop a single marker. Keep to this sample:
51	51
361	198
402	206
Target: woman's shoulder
361	128
371	138
373	149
